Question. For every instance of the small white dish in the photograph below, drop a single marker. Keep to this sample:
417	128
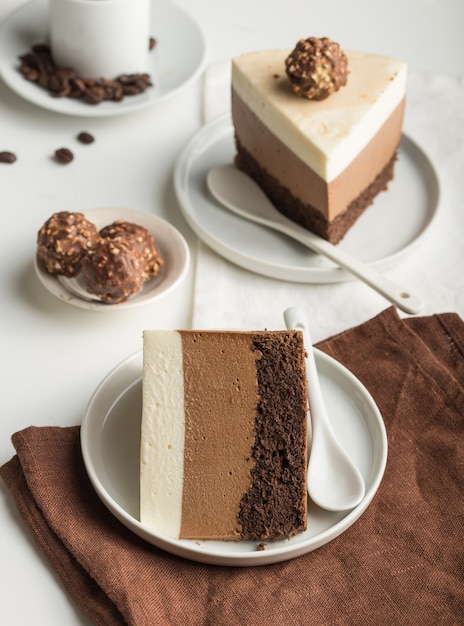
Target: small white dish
110	441
390	228
172	66
172	247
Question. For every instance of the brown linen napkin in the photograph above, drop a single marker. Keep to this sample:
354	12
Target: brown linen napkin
402	562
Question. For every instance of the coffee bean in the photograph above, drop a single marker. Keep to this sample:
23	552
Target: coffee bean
38	66
63	155
85	137
94	94
7	157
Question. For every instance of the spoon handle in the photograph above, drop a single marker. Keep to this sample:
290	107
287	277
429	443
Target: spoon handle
407	302
334	482
240	194
295	320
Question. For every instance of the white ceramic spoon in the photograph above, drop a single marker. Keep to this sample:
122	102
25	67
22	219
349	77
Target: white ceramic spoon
334	482
239	193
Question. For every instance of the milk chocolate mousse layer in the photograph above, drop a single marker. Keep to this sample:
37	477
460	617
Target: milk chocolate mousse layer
223	453
217	455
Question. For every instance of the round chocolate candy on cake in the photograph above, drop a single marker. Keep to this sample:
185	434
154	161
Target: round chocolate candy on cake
316	68
64	240
113	270
142	240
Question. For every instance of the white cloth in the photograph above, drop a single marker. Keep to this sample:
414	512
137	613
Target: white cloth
227	296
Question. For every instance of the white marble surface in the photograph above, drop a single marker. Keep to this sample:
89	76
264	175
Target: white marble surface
53	355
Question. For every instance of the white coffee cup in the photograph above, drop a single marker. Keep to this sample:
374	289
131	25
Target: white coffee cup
100	38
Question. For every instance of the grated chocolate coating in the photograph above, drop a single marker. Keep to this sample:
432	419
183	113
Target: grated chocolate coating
143	241
113	270
316	68
63	241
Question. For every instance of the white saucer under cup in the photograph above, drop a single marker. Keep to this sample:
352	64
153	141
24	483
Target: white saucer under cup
100	38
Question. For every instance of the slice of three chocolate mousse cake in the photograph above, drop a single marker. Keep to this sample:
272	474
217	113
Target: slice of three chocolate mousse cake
223	450
323	157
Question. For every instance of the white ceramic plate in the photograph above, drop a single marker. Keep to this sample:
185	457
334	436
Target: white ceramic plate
173	66
110	440
172	247
390	228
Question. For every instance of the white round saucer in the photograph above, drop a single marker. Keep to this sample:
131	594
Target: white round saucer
390	229
172	247
173	66
110	442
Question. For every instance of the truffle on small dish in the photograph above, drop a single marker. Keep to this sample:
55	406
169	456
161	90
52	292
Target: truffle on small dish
113	270
64	240
143	241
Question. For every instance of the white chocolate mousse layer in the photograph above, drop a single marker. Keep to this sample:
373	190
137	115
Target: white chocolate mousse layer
163	432
328	134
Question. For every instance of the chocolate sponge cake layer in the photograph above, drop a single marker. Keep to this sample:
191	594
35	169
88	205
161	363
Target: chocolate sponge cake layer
275	505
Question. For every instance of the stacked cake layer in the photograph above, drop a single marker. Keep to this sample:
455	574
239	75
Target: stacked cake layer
223	453
321	162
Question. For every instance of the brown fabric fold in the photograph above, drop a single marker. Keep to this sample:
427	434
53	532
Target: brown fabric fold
402	562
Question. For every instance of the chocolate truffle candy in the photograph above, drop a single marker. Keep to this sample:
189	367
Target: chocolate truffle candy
64	240
316	68
113	270
143	241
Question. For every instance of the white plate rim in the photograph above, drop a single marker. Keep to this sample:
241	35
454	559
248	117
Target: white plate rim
126	374
35	12
170	242
213	132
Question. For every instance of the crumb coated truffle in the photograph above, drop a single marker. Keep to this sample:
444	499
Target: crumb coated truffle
142	240
113	270
316	68
64	240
